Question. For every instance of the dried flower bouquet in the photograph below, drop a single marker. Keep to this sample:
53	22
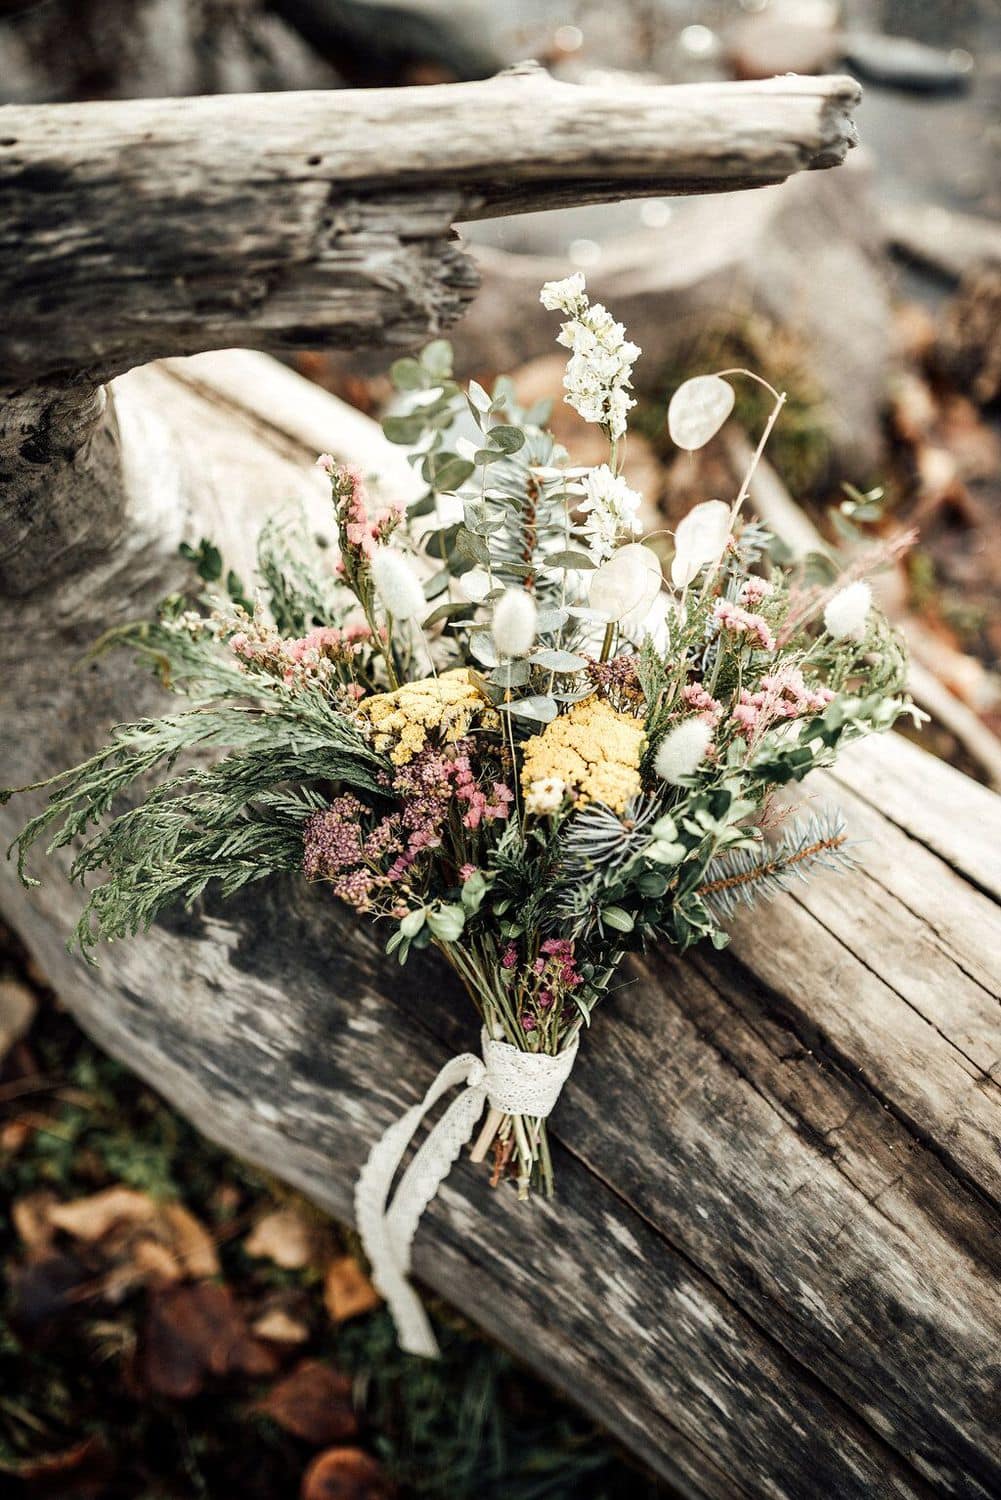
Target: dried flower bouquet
490	722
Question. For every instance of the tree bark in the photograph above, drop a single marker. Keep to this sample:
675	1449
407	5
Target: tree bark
130	230
772	1263
135	229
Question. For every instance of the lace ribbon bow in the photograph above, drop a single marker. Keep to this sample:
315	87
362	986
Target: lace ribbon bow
512	1081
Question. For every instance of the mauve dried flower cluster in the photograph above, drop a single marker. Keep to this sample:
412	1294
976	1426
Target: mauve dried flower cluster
370	859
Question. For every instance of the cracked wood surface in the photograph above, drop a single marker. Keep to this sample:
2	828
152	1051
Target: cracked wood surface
772	1263
133	229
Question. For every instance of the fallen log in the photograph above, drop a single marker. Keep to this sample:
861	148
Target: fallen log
139	228
940	239
772	1263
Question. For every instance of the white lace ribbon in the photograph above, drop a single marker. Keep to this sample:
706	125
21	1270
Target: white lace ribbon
515	1082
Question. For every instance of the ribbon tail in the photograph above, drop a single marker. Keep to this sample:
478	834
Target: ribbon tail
388	1231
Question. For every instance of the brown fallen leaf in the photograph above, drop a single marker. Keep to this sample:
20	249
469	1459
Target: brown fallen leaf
280	1327
194	1330
346	1474
31	1216
153	1261
190	1241
284	1237
314	1403
347	1291
140	1238
90	1219
14	1135
172	1363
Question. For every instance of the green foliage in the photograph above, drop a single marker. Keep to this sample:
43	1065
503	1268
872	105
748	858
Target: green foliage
235	821
300	592
760	871
515	517
206	558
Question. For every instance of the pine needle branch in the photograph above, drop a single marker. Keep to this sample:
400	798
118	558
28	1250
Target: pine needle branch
744	876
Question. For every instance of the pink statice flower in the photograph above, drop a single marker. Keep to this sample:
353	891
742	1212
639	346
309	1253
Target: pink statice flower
372	859
702	701
360	529
783	694
794	694
560	953
312	658
740	621
480	806
754	591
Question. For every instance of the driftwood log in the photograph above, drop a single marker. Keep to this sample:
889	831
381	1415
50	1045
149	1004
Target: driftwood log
772	1265
138	228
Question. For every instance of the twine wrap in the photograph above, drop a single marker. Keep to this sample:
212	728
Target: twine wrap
512	1081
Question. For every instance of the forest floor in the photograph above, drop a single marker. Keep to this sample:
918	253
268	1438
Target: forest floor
175	1325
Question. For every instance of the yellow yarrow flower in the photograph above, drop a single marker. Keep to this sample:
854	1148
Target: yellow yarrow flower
446	706
594	748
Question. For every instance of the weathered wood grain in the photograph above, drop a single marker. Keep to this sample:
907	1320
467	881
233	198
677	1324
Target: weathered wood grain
139	228
773	1262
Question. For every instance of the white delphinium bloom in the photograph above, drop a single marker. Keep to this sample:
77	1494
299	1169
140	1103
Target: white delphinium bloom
601	357
397	585
846	614
617	407
682	750
611	509
515	617
545	796
699	541
563	296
